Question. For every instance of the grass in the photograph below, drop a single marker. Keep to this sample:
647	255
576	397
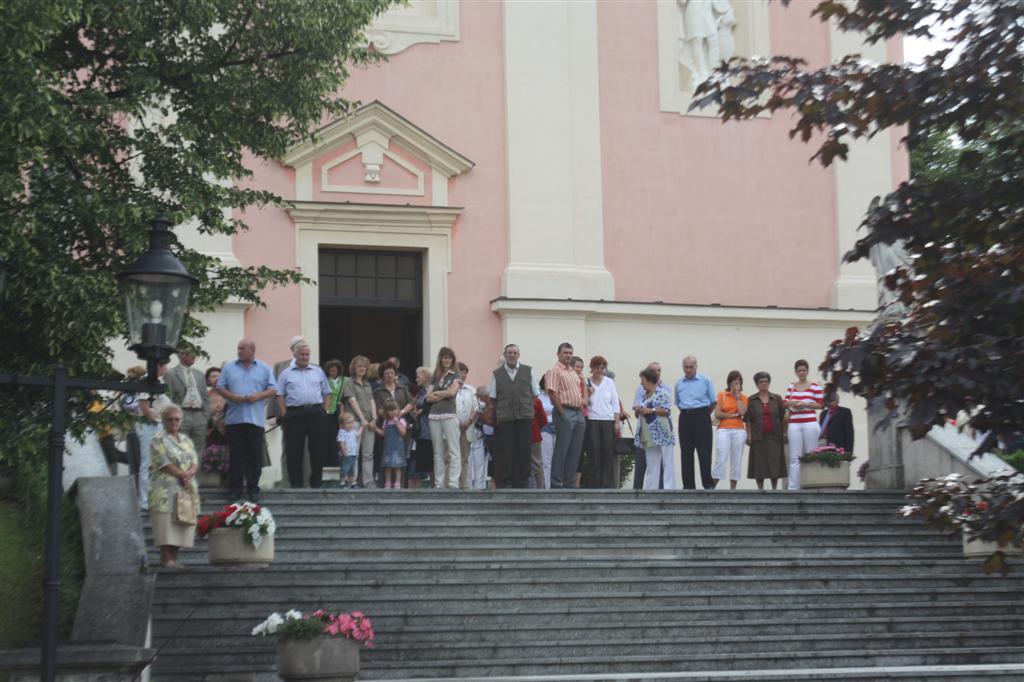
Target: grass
22	531
21	572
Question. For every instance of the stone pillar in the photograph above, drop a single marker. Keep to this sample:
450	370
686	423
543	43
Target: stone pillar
556	222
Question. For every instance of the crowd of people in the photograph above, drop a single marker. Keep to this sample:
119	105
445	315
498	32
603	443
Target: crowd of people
556	430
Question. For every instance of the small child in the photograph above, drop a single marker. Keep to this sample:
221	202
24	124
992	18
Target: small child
392	429
348	449
477	450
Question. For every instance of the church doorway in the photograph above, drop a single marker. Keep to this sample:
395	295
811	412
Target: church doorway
371	303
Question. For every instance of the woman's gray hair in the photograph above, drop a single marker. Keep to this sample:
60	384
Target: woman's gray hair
762	375
171	409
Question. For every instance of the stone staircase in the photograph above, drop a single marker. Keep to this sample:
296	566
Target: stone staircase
604	585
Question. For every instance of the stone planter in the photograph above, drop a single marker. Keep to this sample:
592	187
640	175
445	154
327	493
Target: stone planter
817	475
322	658
209	479
228	546
979	549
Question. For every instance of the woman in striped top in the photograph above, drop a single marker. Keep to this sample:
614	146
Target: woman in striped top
802	399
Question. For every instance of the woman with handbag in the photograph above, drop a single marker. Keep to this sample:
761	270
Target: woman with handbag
603	423
173	492
654	433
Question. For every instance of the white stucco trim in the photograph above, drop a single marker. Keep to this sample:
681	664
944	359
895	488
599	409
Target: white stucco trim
375	117
421	21
752	40
377	226
554	179
866	173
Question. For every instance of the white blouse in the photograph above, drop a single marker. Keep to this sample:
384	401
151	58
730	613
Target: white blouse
604	400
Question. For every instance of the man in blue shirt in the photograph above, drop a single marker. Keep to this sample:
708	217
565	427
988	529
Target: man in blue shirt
303	397
695	398
245	383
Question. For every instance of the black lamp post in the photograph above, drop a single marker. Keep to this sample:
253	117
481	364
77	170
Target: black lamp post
156	289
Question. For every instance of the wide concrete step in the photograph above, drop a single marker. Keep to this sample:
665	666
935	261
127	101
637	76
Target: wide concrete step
200	575
187	667
397	632
565	586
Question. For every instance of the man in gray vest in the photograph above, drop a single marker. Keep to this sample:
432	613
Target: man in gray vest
513	390
186	387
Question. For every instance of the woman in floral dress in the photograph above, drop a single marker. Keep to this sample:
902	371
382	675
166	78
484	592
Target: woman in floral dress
654	434
172	472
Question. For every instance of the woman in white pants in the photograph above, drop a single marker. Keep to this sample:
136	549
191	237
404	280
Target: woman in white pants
803	398
655	432
730	408
444	425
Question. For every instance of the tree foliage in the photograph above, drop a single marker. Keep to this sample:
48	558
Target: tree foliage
960	217
113	112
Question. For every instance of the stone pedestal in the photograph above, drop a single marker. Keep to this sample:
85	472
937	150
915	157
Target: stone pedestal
885	456
229	546
322	658
818	475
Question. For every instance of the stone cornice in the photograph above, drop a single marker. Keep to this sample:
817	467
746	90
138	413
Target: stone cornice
374	217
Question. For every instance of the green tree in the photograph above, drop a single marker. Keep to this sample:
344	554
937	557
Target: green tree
111	112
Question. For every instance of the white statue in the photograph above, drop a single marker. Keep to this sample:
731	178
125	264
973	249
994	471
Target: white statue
885	258
705	36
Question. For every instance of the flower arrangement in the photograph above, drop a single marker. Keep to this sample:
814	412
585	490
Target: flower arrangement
862	472
255	520
355	626
215	459
829	455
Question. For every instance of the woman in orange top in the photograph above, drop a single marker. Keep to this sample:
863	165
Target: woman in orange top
730	409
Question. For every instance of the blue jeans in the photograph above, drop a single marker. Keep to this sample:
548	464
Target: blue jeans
568	447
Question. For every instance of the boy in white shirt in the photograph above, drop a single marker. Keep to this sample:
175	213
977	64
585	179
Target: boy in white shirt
348	449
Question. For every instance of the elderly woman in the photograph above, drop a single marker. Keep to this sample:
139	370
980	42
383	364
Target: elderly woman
357	397
654	433
424	459
172	471
766	432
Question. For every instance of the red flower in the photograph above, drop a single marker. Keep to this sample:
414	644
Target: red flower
981	506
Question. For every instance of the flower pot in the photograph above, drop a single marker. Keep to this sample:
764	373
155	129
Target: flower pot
210	479
980	549
321	658
818	475
228	546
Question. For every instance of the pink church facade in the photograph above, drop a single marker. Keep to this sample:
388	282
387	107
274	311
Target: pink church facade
528	172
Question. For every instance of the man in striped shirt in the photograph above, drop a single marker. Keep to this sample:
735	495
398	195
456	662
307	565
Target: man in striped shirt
563	386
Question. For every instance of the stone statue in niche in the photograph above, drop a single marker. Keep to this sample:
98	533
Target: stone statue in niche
705	37
885	258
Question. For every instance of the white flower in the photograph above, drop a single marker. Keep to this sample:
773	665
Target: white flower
293	615
269	626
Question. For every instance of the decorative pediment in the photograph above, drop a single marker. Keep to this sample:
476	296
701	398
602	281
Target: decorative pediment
373	150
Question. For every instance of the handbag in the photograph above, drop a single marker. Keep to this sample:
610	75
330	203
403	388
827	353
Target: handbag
185	511
624	444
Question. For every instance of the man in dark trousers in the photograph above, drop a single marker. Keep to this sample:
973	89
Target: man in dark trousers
245	383
695	398
302	398
513	389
